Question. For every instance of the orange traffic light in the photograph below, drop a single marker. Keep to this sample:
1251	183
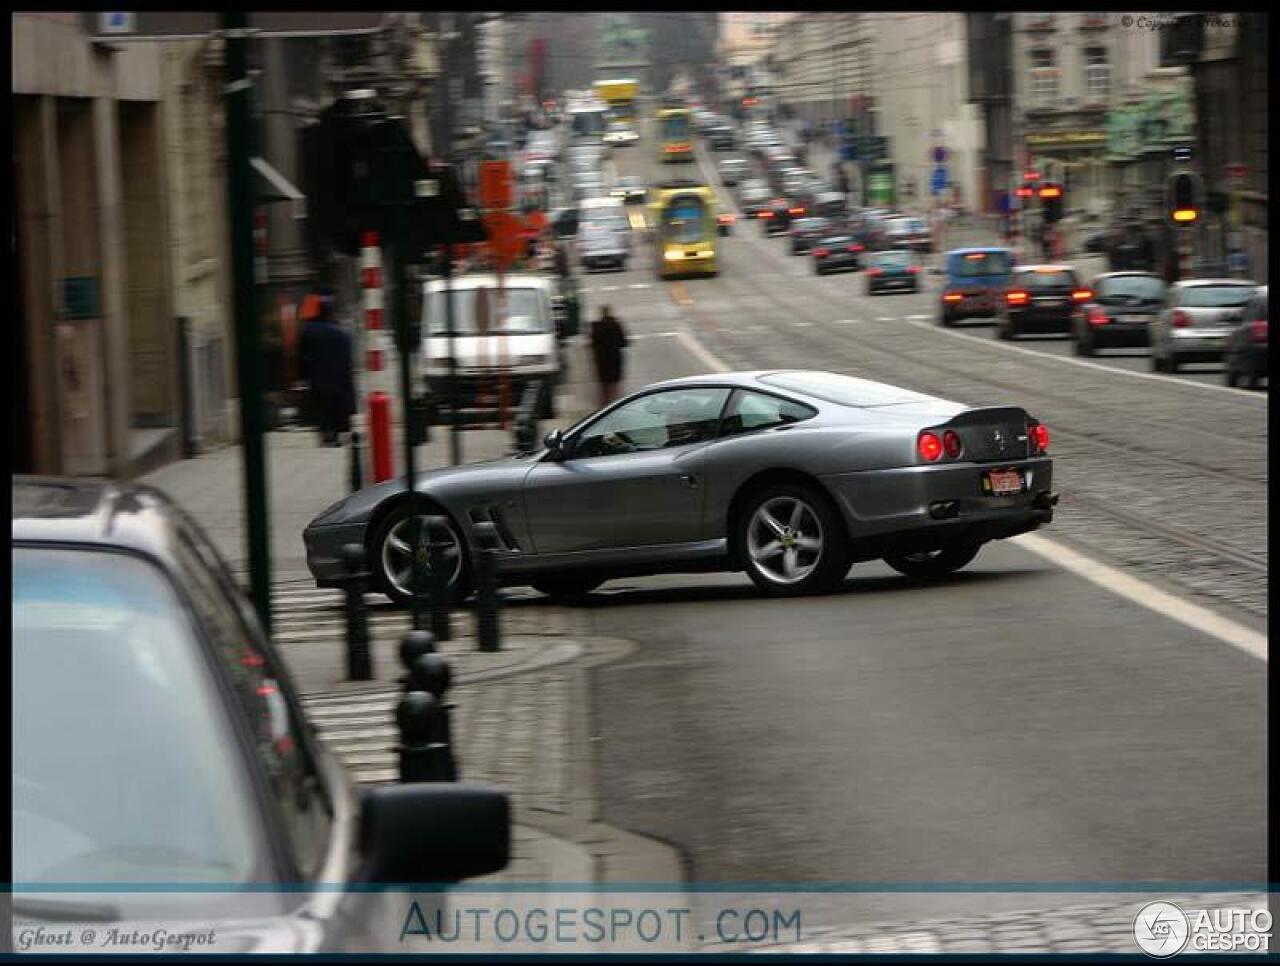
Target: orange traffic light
1051	191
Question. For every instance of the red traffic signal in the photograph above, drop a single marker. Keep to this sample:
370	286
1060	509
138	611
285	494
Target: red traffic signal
1031	175
1024	192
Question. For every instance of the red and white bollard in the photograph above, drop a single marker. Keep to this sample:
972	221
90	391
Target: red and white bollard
379	398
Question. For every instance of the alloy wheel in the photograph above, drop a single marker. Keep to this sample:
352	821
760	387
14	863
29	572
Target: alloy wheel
785	540
398	551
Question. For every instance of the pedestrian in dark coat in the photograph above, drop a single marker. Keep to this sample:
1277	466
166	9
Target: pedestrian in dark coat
326	364
608	339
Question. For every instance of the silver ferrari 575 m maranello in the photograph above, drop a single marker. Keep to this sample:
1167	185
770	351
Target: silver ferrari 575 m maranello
790	476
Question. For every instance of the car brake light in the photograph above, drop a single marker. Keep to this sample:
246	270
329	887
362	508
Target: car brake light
1038	436
913	269
929	447
1258	328
952	297
1017	298
855	248
765	214
951	443
797	211
821	252
875	271
1098	317
1081	295
1180	320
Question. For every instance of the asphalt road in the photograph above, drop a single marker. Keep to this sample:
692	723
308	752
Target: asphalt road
1015	724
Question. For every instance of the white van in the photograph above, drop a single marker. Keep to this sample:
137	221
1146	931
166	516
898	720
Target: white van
608	212
515	335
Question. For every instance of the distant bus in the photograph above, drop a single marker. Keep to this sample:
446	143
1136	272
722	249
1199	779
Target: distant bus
620	95
685	229
675	134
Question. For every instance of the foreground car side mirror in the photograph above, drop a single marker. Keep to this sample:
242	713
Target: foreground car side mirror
428	832
554	442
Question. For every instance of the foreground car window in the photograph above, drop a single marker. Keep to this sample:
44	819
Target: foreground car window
754	410
677	417
124	760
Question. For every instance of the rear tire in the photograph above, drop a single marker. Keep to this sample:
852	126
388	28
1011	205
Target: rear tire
1171	365
1155	362
946	319
566	585
1251	377
1084	346
1005	331
935	564
783	564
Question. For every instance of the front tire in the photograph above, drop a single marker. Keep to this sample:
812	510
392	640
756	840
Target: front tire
566	585
390	560
791	540
933	564
1084	346
1004	331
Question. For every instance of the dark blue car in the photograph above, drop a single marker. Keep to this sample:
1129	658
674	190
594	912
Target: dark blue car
892	271
976	279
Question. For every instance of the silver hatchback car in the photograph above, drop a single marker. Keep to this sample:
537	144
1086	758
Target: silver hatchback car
1198	317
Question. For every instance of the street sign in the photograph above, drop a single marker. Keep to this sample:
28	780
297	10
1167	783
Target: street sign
1182	152
938	183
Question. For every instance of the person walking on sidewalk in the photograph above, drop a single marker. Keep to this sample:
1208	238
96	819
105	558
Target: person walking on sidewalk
326	365
608	339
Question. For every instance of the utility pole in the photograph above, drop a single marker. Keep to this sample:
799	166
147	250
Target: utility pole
248	356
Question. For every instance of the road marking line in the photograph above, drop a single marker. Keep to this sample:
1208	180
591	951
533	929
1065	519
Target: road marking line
608	288
802	325
680	294
639	285
922	317
1140	592
847	322
1107	577
886	318
1166	380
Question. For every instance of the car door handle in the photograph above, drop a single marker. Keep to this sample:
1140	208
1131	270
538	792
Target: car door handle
689	480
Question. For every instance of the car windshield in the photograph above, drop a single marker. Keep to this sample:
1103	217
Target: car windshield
810	224
475	309
1046	278
976	264
1146	287
891	259
845	390
1216	296
124	760
836	241
684	221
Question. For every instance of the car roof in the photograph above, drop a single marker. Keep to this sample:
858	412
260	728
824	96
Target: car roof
474	280
100	513
1198	282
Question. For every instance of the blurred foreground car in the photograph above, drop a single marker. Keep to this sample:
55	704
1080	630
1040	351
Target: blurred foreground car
1198	317
790	476
1246	356
1123	306
158	739
892	271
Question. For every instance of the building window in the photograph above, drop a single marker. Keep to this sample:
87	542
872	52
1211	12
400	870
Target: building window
1097	74
1044	77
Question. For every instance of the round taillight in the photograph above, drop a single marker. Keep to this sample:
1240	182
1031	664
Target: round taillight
929	447
951	443
1040	435
1180	320
821	252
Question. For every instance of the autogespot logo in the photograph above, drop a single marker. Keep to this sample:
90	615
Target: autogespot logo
1161	929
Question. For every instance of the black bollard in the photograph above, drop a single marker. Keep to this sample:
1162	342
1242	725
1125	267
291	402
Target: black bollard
441	624
423	716
488	631
359	657
357	474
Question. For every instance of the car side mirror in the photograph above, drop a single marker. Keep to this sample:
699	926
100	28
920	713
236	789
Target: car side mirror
554	442
428	832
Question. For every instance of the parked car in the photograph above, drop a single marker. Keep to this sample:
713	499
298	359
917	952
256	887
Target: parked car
836	252
1123	306
1041	298
894	270
804	232
733	170
846	445
1198	317
974	283
1246	354
158	738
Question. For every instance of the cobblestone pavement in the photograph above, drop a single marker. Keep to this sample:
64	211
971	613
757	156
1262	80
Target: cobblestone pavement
1103	927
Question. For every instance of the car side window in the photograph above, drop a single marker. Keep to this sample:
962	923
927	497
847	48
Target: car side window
750	411
279	738
659	420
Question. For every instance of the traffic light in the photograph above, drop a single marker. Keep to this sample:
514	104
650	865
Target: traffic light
1051	202
1026	192
1183	198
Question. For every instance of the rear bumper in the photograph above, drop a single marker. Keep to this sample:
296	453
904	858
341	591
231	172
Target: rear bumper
1192	345
1043	320
905	282
973	306
1119	334
882	503
834	262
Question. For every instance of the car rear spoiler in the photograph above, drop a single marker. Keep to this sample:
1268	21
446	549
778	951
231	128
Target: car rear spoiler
989	415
